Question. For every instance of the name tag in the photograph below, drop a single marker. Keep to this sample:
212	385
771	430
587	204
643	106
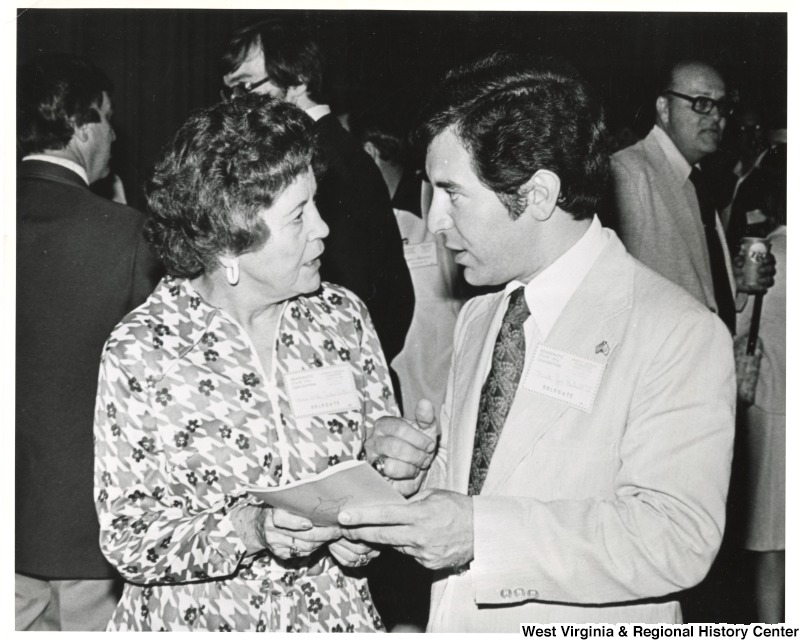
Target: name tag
421	255
324	390
563	376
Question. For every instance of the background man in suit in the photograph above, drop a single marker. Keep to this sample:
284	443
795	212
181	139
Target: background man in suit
81	266
666	214
364	251
588	427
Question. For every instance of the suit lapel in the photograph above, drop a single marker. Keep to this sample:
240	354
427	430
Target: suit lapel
591	326
674	192
477	348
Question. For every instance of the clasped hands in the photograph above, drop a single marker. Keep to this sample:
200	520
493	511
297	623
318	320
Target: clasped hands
288	536
434	527
405	450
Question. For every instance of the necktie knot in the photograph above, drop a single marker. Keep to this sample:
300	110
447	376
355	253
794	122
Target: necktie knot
517	312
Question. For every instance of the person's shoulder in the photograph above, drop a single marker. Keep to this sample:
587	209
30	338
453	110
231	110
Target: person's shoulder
635	155
134	338
340	147
117	214
331	133
659	303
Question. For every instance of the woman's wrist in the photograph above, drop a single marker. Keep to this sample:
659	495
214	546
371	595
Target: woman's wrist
248	521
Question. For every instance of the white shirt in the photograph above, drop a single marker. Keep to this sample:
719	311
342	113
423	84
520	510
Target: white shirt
318	111
548	293
63	162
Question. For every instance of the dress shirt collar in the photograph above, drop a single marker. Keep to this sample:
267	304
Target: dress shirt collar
548	293
63	162
679	164
318	111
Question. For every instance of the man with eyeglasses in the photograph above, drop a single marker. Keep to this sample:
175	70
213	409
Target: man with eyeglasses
364	251
666	214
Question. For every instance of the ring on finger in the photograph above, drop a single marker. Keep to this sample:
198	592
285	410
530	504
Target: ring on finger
293	552
379	463
362	560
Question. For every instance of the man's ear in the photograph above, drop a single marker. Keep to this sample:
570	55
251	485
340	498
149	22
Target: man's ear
662	109
81	132
541	193
296	91
372	151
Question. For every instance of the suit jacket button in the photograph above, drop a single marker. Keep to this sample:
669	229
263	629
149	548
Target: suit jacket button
519	592
505	593
533	593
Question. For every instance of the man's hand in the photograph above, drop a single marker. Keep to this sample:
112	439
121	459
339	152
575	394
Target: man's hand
403	450
435	528
766	274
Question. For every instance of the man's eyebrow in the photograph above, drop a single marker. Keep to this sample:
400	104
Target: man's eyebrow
447	185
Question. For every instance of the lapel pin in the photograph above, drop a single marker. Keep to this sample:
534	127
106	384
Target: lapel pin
602	348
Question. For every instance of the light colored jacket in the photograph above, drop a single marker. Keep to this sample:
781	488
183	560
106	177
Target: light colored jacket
658	219
583	516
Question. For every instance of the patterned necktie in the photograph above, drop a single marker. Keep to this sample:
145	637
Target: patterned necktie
719	272
500	387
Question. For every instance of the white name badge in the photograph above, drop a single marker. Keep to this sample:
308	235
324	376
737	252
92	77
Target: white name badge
563	376
421	255
324	390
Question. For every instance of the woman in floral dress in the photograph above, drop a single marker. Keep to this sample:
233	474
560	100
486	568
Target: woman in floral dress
196	398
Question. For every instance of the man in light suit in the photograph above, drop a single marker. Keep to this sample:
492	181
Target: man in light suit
658	191
592	487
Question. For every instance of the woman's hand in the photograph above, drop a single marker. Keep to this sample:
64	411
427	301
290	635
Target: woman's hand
291	536
284	534
352	554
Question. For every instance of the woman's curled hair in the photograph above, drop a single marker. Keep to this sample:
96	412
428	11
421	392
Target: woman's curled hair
225	164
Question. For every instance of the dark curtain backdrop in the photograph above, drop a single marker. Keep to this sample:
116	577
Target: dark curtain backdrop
164	63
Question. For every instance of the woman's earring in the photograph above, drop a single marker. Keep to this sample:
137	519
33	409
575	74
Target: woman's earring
232	272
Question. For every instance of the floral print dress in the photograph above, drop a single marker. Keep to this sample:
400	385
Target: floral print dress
185	419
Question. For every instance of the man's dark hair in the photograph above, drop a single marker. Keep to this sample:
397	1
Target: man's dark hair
292	54
225	164
516	116
56	94
385	132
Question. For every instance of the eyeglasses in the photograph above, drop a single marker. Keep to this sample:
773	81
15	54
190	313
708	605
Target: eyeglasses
704	105
241	89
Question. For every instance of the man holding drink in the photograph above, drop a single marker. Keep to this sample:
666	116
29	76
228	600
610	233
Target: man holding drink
666	213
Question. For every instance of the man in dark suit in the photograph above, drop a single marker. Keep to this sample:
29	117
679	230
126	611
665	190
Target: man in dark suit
364	251
81	266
